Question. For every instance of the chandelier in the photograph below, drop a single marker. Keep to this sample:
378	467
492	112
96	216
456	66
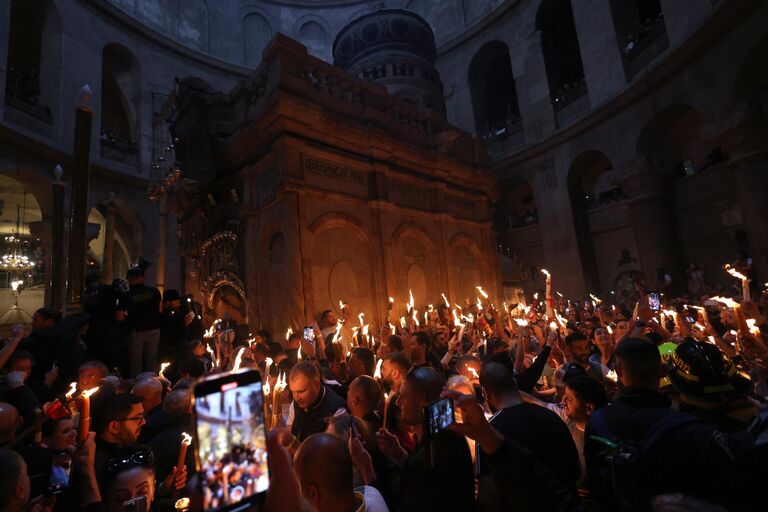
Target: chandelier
14	260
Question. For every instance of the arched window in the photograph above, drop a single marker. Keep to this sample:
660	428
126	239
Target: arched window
258	34
494	98
34	57
562	56
120	101
583	178
193	24
640	32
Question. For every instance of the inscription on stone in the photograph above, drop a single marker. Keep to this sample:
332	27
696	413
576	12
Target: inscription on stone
460	202
333	171
404	187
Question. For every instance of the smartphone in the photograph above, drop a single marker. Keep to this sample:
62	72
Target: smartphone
439	415
309	334
231	443
138	504
654	302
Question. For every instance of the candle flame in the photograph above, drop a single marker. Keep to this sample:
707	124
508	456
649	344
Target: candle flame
726	301
595	299
546	273
335	338
482	292
410	301
239	357
266	388
473	372
753	328
553	326
341	304
448	304
536	296
735	273
521	323
88	392
163	367
559	294
611	375
360	317
288	333
609	329
456	320
391	300
377	373
210	351
711	339
479	304
72	390
186	439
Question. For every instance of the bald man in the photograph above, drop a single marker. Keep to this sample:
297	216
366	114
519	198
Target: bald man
10	421
363	400
328	487
151	392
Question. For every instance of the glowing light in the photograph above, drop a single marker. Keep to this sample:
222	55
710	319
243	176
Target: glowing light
482	292
456	320
735	273
88	392
611	375
520	322
239	357
608	328
726	301
448	304
410	301
473	372
72	390
536	296
595	299
163	367
186	439
288	333
753	328
546	273
377	373
553	326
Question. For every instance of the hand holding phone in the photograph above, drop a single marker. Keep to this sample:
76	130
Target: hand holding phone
439	415
654	302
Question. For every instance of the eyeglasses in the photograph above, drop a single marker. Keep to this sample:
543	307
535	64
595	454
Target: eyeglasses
135	418
143	457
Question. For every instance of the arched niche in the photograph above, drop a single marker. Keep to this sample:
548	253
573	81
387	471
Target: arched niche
120	103
583	177
417	265
342	265
492	86
257	35
34	57
560	47
671	142
466	269
516	206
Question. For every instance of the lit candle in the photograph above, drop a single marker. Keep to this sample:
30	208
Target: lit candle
186	440
445	299
84	406
389	310
377	373
72	390
239	356
744	281
741	321
386	409
163	367
267	402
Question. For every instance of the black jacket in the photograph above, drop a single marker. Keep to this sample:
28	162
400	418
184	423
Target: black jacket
313	420
694	459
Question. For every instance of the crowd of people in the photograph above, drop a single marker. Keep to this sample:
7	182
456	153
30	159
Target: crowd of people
564	405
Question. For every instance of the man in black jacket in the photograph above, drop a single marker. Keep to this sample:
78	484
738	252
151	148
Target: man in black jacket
687	455
438	475
313	402
538	429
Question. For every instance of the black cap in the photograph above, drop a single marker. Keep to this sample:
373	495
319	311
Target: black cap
134	272
700	370
169	295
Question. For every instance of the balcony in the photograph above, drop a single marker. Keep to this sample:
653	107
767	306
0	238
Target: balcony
119	148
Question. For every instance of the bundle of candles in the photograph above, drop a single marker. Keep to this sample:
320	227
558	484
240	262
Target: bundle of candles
81	404
273	413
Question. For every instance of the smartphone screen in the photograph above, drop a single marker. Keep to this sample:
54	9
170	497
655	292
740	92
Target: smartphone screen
309	334
231	439
653	302
439	415
139	504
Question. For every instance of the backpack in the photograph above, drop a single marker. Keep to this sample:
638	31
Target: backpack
621	462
